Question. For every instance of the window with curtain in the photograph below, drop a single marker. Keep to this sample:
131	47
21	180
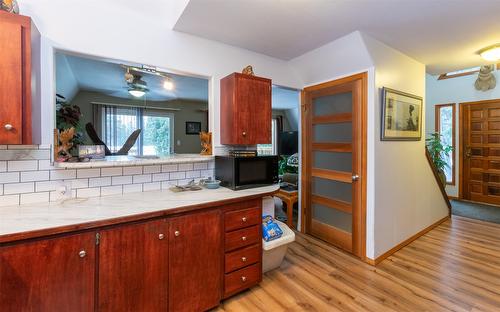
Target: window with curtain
118	122
270	149
445	126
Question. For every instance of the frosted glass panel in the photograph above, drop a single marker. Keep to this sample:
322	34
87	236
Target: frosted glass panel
336	218
333	161
336	132
332	189
333	104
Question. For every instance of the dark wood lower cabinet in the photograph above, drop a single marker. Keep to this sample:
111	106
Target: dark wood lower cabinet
54	274
133	267
195	282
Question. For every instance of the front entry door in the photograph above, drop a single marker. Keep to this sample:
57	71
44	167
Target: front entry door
333	162
481	151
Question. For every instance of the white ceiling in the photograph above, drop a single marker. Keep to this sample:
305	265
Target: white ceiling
108	78
443	34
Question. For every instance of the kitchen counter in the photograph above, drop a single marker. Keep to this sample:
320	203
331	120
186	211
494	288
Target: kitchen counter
35	220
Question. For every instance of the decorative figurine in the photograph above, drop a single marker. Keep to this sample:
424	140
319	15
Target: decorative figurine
10	6
65	137
206	143
248	71
485	79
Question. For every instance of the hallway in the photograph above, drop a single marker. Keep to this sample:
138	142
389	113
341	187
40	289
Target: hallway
454	267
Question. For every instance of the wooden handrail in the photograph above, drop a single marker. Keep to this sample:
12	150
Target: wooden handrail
438	180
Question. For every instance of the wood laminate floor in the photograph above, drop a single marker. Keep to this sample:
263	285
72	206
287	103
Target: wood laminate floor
455	267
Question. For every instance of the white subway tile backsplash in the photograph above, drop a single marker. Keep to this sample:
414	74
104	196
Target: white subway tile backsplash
46	186
3	166
211	165
111	190
62	174
24	154
154	186
169	168
3	147
152	169
35	198
19	188
207	173
185	167
161	176
45	164
165	185
22	147
88	173
132	188
22	165
9	200
200	166
9	177
192	174
132	170
88	192
1	190
78	183
104	181
121	180
144	178
111	172
28	176
177	175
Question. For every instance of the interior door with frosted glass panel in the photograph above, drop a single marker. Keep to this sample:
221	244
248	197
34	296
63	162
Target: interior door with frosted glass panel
333	163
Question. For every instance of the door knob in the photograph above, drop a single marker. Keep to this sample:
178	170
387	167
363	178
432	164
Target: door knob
244	133
468	152
355	178
82	254
8	127
177	233
161	236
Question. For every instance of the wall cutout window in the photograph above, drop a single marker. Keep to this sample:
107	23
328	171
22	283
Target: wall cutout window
445	126
270	149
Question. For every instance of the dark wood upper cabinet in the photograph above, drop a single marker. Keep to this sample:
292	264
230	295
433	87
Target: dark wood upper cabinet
133	267
245	116
16	37
195	266
47	275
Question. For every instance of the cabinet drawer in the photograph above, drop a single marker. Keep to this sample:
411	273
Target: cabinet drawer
242	238
239	219
242	279
240	258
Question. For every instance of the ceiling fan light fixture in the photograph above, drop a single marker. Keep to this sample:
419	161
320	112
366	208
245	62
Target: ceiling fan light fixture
491	53
136	92
168	84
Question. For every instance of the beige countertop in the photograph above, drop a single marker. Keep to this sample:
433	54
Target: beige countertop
34	220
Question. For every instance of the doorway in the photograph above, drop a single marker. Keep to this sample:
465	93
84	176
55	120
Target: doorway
334	162
480	151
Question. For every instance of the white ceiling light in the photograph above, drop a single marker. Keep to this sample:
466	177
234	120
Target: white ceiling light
168	84
491	53
136	92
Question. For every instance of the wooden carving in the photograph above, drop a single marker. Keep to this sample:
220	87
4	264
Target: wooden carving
206	143
485	79
248	71
65	137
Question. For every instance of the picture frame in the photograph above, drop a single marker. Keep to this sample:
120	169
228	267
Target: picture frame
401	116
193	127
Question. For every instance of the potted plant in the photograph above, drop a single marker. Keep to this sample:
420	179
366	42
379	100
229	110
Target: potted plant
439	152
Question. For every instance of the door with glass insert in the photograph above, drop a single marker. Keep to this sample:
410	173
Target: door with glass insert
333	162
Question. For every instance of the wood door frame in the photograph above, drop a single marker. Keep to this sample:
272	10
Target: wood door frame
360	237
461	124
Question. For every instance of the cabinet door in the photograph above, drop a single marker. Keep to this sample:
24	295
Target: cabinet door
11	82
48	275
133	267
195	261
254	110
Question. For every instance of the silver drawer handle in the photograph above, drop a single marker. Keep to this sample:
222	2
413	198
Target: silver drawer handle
243	238
243	279
244	219
8	127
177	233
161	236
243	259
82	254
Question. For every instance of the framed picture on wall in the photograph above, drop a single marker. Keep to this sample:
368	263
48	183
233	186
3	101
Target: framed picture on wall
401	116
193	127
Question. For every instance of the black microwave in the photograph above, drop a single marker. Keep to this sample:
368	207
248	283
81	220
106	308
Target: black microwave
239	173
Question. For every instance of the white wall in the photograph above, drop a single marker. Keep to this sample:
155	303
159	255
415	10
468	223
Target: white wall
106	29
406	195
454	90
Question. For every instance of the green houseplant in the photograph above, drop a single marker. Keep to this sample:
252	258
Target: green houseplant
438	152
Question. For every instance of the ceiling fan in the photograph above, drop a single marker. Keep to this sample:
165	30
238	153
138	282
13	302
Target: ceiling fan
135	85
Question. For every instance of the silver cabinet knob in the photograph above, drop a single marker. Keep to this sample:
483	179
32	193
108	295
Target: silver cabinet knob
82	254
177	233
161	236
8	127
243	259
243	279
244	219
243	238
355	177
244	133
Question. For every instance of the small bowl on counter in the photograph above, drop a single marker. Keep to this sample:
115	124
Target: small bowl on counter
210	183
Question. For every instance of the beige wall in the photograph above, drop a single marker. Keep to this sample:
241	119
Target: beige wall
189	111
